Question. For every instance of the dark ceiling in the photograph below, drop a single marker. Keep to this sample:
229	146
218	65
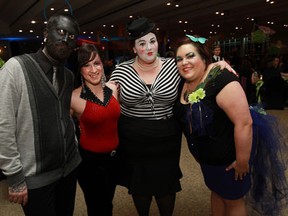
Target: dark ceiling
199	15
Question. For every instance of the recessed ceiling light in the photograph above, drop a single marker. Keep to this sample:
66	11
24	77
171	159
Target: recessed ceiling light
33	21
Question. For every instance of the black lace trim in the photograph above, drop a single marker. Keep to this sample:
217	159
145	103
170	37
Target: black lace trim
88	95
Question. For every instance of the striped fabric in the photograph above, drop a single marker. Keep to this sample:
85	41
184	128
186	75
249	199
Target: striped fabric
140	101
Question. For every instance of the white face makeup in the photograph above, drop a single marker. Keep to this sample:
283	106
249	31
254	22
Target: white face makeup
146	48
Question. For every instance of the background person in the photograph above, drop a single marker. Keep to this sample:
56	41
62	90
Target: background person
97	110
39	160
217	54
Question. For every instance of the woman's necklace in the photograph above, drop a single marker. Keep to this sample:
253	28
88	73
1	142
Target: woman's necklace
151	66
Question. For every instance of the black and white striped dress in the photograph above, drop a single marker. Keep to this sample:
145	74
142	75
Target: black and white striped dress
150	139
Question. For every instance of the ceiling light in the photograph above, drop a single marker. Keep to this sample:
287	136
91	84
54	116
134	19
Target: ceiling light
20	30
33	21
52	9
66	10
31	31
168	4
176	5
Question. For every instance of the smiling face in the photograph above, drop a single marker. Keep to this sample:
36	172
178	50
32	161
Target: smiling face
146	48
189	62
92	71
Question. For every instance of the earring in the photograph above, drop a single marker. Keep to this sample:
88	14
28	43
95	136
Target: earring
45	39
82	84
103	80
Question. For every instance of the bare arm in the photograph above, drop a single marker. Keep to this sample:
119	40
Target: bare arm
114	87
233	101
77	105
223	64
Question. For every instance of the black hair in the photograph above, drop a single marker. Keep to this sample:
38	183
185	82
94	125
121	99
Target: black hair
84	53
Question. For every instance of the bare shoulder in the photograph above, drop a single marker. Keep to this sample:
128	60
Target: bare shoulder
77	91
75	95
114	87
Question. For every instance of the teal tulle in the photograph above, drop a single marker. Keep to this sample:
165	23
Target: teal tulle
269	192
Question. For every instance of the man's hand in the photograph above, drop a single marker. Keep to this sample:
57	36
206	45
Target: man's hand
18	194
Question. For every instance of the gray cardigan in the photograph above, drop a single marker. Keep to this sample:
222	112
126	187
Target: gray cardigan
37	135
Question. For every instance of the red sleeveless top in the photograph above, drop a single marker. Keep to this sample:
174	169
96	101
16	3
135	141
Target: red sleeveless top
98	126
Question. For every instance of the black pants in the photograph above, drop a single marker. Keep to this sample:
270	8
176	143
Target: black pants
96	177
56	199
